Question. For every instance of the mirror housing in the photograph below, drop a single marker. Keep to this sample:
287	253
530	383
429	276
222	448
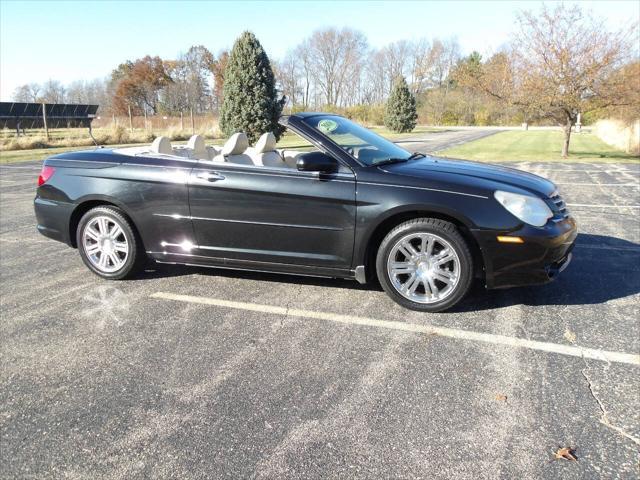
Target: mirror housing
316	162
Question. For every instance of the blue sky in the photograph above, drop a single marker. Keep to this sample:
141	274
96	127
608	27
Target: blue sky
86	40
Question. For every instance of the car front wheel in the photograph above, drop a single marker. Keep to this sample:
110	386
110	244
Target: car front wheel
424	264
108	244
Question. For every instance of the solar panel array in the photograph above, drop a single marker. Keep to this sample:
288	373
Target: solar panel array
59	115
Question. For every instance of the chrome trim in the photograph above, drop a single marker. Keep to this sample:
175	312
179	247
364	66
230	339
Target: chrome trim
269	224
274	253
425	188
188	246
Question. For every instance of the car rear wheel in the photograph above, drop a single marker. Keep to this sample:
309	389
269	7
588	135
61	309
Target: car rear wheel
108	244
424	264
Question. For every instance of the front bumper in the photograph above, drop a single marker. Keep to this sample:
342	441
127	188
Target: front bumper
545	253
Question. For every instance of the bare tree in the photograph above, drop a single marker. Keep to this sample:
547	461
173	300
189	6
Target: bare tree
419	58
22	94
334	55
53	92
289	79
562	62
303	54
396	60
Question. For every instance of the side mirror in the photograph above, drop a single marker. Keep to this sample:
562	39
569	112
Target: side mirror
316	162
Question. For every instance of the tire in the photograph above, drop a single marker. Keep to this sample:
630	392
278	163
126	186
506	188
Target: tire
109	252
429	280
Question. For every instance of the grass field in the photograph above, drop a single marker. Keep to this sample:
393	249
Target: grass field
538	145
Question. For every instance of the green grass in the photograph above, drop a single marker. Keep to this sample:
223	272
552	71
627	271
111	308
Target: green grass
538	145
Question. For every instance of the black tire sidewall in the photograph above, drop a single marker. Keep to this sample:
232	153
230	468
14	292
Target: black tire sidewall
133	258
447	231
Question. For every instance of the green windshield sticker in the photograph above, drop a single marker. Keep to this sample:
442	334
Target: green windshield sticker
327	126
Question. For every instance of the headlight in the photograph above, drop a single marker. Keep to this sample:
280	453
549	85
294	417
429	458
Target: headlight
531	210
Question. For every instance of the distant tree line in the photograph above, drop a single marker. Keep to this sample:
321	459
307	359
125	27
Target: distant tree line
559	63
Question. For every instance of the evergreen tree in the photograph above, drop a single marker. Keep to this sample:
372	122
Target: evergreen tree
400	112
250	101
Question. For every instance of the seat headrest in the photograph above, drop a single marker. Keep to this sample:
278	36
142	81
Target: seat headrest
162	145
236	144
266	143
196	143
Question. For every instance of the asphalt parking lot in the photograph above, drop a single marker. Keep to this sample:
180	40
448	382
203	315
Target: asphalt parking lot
203	373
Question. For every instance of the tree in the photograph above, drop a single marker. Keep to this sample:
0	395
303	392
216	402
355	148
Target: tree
219	66
53	92
334	56
289	78
138	84
23	93
250	101
561	63
400	115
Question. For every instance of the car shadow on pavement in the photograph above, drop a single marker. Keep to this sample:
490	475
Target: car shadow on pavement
603	268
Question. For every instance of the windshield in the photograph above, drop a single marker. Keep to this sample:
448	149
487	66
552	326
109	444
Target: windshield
368	147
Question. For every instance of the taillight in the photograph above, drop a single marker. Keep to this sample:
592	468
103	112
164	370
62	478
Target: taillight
45	174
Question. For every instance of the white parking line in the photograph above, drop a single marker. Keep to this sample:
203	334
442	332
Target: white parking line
599	184
601	206
574	351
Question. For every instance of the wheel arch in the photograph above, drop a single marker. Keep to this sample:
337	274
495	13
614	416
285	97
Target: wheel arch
87	204
393	219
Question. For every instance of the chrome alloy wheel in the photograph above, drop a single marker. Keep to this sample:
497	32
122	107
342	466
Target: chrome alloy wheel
423	267
105	244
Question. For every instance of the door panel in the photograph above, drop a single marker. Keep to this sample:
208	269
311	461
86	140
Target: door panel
273	214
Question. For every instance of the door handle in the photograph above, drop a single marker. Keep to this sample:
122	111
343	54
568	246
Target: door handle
209	176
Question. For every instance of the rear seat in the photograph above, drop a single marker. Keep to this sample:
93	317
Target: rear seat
161	145
197	147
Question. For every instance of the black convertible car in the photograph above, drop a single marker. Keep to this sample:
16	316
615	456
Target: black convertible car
345	203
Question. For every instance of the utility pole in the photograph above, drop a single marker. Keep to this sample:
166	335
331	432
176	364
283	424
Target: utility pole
44	119
193	128
130	120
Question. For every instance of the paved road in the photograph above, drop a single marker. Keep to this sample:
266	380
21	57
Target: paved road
127	380
443	139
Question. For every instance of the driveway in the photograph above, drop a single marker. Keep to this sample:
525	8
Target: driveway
204	373
442	139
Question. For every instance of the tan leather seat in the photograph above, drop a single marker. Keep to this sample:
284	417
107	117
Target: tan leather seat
197	148
233	150
291	157
264	153
161	145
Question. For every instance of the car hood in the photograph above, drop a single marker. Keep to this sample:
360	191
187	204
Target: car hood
472	173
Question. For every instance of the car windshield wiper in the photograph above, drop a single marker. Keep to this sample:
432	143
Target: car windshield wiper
399	160
389	161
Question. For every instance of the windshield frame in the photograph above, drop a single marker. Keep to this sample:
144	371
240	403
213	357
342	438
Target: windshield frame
310	121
